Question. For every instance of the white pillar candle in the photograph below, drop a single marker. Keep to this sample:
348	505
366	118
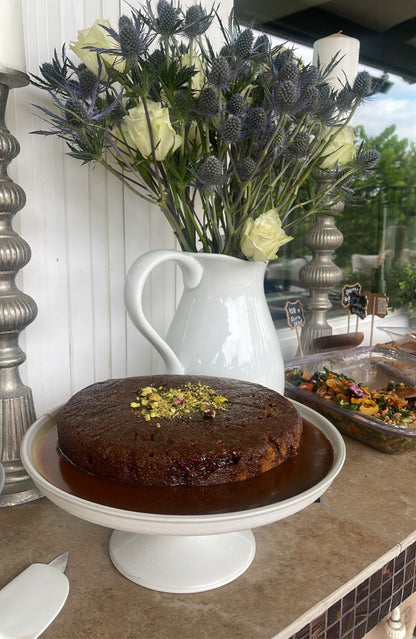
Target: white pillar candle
12	46
348	50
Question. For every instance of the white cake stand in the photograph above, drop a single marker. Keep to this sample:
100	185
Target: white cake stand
181	553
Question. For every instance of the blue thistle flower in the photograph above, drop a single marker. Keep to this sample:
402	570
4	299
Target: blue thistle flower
123	21
231	129
75	113
181	103
227	51
130	40
219	74
156	58
344	177
88	82
262	45
325	92
345	99
207	103
289	71
308	100
274	139
236	104
363	85
168	18
134	38
299	146
245	169
368	159
196	21
50	73
283	57
54	74
286	96
256	118
309	75
244	43
210	172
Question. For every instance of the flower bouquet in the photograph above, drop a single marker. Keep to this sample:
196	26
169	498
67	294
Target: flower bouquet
224	142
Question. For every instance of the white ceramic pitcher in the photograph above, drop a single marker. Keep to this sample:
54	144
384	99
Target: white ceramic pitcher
222	326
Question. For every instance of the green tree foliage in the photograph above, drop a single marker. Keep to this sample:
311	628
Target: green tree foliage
385	199
385	206
401	282
375	201
397	163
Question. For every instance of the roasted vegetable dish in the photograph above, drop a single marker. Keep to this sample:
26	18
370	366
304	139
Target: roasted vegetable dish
394	405
368	393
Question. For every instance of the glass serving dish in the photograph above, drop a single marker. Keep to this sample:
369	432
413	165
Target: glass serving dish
403	338
373	367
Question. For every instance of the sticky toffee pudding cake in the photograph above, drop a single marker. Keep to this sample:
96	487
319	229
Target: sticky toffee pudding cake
170	430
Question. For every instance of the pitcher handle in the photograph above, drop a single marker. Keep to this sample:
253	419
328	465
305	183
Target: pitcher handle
133	297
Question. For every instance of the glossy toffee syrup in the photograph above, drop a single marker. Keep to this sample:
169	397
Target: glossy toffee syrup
312	463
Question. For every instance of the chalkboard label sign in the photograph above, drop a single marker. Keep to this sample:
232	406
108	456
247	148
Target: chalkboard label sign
294	314
347	291
377	304
358	305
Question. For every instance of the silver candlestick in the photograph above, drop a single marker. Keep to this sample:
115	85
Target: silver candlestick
17	310
321	274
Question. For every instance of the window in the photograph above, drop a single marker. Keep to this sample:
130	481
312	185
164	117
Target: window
379	227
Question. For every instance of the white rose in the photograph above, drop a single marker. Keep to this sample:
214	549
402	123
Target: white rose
340	150
197	80
96	36
262	237
135	130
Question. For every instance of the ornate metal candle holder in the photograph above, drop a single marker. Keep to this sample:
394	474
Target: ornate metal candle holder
321	274
17	310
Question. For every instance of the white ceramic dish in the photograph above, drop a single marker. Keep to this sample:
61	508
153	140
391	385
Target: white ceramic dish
204	551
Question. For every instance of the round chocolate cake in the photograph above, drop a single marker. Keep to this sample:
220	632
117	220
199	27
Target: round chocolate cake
169	430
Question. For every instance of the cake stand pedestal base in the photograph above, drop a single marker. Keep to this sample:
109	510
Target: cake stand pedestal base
182	564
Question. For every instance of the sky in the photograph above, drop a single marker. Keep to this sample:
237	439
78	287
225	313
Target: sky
398	106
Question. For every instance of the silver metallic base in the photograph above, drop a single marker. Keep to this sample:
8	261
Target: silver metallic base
17	310
16	416
13	78
19	488
320	275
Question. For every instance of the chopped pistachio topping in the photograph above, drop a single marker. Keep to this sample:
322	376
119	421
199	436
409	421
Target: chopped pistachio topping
159	402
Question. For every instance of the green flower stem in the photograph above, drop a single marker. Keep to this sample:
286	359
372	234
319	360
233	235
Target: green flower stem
290	193
184	242
146	182
318	202
149	180
126	182
171	218
152	145
189	218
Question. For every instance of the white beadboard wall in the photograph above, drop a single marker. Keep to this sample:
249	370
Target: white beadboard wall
84	231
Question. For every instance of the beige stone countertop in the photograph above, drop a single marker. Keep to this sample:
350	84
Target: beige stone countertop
302	565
